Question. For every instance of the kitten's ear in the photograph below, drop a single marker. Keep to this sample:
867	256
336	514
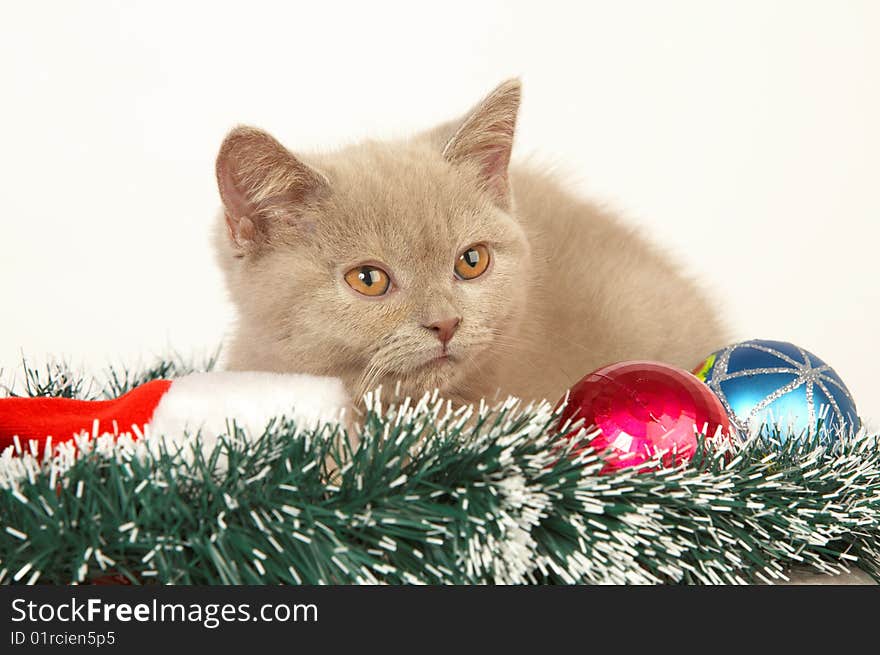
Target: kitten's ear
485	139
264	187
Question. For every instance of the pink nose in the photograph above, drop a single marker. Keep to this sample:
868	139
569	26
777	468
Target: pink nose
444	329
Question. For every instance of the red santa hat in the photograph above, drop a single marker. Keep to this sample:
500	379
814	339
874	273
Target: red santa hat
175	410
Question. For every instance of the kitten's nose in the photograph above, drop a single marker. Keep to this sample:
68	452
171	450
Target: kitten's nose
444	329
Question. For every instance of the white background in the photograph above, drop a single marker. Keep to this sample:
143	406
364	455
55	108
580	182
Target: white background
744	136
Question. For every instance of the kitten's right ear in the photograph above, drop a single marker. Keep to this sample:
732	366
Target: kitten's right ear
485	138
264	187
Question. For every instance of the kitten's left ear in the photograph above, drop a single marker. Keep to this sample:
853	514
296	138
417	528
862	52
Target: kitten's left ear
264	187
485	140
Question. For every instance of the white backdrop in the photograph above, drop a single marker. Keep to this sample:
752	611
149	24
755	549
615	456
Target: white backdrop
744	136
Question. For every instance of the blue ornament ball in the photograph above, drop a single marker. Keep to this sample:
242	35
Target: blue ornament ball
779	384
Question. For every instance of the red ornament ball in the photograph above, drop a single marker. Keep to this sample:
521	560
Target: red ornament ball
643	408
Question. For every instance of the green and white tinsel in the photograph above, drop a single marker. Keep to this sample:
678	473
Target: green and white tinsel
485	495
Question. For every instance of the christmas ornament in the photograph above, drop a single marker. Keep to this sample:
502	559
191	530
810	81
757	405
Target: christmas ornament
777	383
644	408
201	403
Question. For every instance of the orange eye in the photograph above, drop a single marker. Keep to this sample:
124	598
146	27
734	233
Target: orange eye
368	280
473	262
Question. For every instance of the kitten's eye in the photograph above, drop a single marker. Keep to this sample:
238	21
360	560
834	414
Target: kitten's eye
368	280
473	262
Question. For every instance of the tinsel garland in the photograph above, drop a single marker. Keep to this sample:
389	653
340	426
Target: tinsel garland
479	495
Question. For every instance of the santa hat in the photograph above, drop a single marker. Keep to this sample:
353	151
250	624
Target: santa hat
174	410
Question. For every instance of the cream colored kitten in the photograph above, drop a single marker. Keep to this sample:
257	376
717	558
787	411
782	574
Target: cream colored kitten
428	262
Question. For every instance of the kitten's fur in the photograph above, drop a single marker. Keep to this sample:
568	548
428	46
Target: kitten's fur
568	290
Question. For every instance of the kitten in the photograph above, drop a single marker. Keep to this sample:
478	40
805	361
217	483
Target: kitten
432	263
